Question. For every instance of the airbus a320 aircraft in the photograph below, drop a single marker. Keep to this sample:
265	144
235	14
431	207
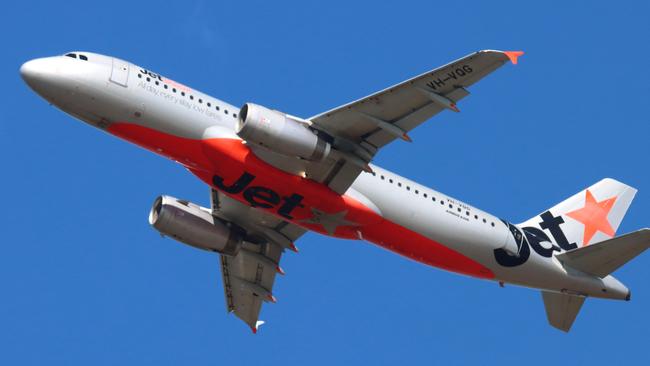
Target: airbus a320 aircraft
274	176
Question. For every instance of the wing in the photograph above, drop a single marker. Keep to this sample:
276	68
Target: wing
248	277
380	118
358	129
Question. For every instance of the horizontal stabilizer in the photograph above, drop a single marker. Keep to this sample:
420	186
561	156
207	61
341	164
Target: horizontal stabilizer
603	258
562	309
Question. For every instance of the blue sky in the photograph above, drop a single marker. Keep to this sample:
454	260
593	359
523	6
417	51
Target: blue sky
85	280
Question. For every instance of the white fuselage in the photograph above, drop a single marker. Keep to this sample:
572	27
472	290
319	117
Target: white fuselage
103	90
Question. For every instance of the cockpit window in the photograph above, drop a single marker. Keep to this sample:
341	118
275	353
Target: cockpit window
74	55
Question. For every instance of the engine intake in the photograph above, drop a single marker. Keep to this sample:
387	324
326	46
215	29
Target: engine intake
193	225
281	133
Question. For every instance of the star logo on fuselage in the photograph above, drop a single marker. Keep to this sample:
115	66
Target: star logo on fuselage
329	222
594	217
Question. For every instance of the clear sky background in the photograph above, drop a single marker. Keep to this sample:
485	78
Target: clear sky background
85	280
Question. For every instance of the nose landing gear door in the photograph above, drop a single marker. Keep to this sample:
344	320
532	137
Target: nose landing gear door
120	72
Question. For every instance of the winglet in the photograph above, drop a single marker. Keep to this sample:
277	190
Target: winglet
513	55
257	325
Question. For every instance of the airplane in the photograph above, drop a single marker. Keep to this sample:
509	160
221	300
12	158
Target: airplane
274	176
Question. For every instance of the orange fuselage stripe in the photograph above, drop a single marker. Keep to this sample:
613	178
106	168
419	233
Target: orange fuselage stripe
230	158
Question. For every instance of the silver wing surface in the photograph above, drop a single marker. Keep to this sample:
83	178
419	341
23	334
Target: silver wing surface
360	128
382	117
248	277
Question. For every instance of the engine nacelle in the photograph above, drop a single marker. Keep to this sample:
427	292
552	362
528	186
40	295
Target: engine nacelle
281	133
193	225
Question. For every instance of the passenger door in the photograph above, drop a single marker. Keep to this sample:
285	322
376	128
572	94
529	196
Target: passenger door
120	72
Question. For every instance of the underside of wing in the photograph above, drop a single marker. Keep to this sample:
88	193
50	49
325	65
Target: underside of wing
380	118
248	282
248	277
334	147
357	130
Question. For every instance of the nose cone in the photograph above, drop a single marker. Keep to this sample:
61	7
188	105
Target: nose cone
37	73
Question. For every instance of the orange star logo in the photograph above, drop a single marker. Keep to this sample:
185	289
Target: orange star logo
594	217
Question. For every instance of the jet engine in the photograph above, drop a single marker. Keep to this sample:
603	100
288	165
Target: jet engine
281	133
193	225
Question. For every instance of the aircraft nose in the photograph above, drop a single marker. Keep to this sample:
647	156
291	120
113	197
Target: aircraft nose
38	74
32	70
48	77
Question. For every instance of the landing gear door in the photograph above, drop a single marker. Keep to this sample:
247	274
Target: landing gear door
120	72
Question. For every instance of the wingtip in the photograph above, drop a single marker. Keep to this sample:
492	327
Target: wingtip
513	56
257	325
293	247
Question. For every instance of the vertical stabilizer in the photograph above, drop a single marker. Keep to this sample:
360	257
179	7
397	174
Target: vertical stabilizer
588	217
